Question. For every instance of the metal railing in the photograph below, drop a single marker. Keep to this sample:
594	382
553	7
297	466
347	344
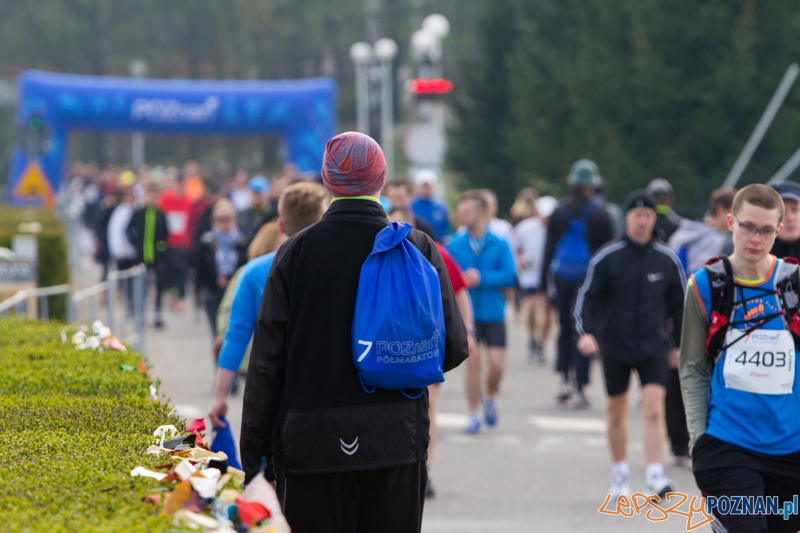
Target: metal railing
119	302
126	287
20	303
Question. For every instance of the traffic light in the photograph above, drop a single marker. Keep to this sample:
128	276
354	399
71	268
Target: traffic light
33	136
430	88
35	123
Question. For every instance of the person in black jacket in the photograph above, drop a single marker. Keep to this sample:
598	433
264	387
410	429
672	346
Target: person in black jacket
352	461
667	223
668	220
787	244
584	179
147	232
222	251
633	287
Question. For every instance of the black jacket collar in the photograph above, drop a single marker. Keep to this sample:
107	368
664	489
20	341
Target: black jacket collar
358	208
635	245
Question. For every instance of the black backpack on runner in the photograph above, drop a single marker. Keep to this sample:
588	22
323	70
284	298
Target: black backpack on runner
723	294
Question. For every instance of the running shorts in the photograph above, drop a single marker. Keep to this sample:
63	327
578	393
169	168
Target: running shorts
724	469
618	373
532	291
493	334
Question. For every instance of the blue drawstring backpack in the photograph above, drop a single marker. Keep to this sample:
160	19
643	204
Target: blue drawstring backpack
398	327
223	442
572	253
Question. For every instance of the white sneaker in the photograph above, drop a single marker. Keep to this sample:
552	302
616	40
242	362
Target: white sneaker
620	485
660	486
564	392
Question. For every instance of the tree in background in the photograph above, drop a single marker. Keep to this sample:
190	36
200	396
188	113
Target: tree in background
645	88
478	148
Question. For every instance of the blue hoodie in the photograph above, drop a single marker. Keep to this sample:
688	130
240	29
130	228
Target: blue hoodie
244	311
493	259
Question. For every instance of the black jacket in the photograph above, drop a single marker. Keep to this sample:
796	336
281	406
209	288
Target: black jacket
629	293
599	229
667	223
206	263
786	249
137	230
304	403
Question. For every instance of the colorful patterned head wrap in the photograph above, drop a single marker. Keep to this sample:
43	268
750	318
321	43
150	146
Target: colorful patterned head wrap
353	165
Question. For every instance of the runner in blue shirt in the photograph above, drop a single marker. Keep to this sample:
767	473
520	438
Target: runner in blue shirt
743	406
488	266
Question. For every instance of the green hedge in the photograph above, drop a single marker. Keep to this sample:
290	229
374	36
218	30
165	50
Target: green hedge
53	259
72	426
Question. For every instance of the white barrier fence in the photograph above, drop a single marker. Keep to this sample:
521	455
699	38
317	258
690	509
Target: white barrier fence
119	302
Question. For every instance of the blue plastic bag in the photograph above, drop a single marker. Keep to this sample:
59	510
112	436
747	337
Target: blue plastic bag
222	441
398	327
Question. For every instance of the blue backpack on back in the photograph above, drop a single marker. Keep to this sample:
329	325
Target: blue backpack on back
572	254
398	326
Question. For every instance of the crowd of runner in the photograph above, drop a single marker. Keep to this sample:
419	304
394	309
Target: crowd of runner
614	280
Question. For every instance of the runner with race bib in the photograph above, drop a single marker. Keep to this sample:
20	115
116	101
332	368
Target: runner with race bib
737	367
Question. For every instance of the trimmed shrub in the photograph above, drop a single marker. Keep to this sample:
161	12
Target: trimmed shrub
52	241
72	426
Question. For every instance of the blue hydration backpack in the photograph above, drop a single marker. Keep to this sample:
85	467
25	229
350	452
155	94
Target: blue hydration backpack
398	327
572	254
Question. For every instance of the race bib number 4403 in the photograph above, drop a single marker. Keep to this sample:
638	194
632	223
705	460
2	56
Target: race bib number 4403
761	362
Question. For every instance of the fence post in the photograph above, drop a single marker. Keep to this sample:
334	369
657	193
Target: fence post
111	300
44	309
68	303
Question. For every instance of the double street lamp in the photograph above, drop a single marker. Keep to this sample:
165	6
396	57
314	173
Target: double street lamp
368	60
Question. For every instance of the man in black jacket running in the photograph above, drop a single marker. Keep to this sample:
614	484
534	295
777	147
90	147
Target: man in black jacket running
353	461
632	287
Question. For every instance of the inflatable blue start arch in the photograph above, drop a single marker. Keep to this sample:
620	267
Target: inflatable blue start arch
302	112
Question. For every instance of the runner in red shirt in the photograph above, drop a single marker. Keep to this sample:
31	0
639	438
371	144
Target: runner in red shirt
177	206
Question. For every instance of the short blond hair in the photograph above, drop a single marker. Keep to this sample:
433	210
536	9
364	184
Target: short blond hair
301	205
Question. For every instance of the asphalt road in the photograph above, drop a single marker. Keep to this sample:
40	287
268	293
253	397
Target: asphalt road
544	467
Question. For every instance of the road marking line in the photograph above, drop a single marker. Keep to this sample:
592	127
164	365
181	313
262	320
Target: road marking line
554	423
451	420
189	412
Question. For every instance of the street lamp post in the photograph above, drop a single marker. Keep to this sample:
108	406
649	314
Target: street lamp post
361	54
137	69
426	47
386	51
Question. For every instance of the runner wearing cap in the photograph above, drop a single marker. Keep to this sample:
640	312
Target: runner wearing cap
530	236
427	208
788	242
742	405
667	224
668	220
259	212
583	203
632	288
